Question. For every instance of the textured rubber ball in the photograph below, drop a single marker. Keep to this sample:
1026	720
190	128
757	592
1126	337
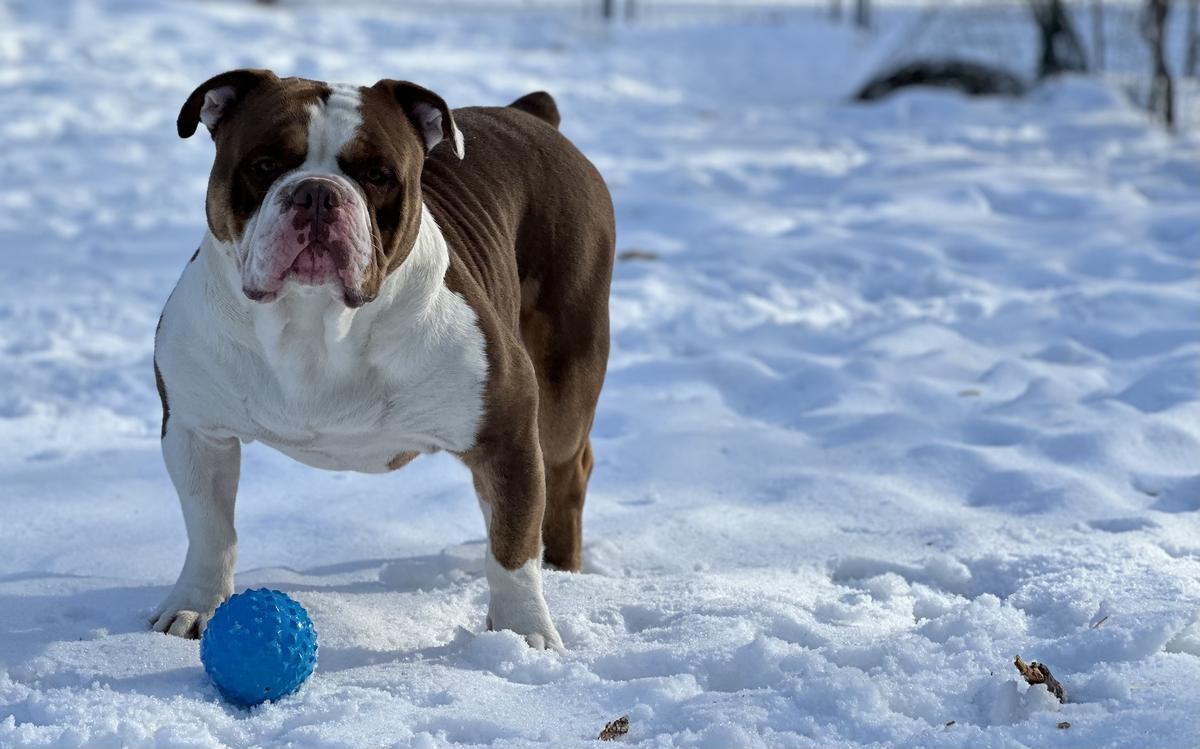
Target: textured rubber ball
259	645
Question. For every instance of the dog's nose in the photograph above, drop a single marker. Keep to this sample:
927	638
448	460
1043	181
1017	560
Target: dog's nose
316	194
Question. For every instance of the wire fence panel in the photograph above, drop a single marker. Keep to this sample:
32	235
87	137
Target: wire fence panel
1002	33
999	33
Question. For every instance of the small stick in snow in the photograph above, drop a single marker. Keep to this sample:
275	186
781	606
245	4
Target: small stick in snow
616	729
1098	624
1038	673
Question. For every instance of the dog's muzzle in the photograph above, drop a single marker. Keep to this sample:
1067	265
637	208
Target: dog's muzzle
311	233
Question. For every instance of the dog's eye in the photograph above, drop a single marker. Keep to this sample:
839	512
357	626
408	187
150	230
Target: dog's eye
377	175
264	166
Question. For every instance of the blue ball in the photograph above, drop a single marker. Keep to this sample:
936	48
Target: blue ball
259	645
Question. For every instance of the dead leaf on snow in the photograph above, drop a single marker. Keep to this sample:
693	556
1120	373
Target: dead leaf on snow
616	729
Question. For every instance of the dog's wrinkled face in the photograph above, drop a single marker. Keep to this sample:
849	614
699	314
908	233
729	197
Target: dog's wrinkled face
315	184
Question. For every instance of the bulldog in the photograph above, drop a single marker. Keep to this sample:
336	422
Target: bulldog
384	277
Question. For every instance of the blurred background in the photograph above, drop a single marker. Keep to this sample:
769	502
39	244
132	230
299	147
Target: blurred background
1148	48
904	382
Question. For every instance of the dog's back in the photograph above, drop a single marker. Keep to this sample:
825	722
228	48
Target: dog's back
530	226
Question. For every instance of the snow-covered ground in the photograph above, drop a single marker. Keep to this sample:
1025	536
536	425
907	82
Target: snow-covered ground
903	391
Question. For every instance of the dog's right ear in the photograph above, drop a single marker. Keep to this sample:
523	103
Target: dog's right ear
213	99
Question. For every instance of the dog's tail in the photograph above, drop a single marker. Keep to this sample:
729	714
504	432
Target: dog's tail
539	104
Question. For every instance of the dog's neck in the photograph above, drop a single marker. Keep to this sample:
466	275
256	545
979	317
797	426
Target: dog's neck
309	332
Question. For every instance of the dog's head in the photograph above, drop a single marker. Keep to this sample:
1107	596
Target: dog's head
316	184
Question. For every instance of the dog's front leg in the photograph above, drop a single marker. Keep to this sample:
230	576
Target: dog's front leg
512	493
205	473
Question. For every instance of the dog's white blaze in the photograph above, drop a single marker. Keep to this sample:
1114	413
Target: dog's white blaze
331	125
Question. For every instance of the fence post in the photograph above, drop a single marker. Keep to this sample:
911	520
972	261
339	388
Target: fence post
1193	39
1154	29
862	13
1062	52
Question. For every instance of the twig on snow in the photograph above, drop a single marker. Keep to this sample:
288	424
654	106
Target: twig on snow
637	254
1038	673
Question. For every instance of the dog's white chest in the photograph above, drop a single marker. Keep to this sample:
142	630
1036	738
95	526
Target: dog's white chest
329	386
368	429
336	394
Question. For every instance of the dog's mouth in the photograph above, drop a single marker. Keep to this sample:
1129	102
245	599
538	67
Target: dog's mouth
311	265
315	265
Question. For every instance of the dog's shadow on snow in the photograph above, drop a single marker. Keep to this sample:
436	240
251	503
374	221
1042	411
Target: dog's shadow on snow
453	565
88	633
82	634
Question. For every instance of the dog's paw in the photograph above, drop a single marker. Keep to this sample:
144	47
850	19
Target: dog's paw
538	631
185	614
546	641
517	604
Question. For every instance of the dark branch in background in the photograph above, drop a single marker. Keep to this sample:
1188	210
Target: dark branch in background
1098	34
1154	31
1062	51
961	75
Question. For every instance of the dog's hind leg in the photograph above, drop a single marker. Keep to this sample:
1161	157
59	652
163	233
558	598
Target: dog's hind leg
562	525
567	336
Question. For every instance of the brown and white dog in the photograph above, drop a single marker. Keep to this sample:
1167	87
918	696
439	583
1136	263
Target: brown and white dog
365	295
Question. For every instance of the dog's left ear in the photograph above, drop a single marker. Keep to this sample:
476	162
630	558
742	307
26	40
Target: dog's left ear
214	98
428	113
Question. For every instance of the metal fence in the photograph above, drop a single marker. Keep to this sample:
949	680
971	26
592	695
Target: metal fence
996	32
1002	33
1117	37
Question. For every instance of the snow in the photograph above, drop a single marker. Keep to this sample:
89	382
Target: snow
904	390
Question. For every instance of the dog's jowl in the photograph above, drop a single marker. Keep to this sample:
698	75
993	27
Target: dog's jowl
383	277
